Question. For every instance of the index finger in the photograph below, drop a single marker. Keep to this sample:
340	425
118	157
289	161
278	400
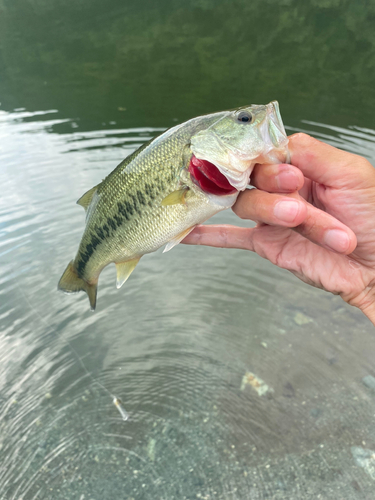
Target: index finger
328	165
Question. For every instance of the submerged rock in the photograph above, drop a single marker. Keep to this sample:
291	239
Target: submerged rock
364	458
252	380
369	382
302	319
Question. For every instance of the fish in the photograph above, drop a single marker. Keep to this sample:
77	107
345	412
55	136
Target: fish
172	183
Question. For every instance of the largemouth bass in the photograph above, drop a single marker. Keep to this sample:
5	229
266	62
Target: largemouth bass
179	179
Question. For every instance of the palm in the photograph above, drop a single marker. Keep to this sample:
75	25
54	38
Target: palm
348	275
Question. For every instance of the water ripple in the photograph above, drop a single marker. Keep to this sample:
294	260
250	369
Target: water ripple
357	140
174	344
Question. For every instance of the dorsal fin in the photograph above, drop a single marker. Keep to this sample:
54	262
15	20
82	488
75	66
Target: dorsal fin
86	199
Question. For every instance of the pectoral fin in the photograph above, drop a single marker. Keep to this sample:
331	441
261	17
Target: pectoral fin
175	198
124	270
86	199
176	240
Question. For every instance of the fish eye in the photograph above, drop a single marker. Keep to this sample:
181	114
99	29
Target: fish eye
244	117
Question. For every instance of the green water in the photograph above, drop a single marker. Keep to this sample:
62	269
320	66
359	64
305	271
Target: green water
176	59
82	84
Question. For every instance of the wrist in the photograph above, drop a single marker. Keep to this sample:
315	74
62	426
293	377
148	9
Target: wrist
369	311
365	301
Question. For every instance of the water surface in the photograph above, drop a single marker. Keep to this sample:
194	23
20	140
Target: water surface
82	88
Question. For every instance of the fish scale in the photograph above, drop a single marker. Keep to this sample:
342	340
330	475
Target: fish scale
151	198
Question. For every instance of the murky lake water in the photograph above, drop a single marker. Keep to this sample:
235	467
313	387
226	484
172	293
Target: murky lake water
81	88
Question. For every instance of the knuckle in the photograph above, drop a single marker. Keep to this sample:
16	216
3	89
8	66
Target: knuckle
305	141
244	204
238	210
261	176
223	237
363	162
309	228
302	137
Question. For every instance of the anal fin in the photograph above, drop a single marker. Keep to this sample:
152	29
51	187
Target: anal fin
176	240
124	270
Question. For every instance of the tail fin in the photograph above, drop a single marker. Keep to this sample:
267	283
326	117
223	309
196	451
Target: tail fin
70	282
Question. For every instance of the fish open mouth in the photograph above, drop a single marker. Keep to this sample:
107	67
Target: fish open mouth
209	178
231	148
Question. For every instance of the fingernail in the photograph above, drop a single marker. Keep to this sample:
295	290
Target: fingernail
337	240
287	179
286	210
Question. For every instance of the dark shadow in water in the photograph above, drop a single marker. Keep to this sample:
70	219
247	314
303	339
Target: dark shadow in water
150	62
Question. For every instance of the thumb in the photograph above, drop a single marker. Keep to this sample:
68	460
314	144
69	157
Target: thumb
328	165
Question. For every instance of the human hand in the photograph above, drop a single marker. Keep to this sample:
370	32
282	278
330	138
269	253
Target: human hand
315	217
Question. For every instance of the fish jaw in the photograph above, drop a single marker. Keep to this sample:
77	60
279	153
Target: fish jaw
264	141
274	136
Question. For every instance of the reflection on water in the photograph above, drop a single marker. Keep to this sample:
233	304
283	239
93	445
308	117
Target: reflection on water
174	344
358	140
145	62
